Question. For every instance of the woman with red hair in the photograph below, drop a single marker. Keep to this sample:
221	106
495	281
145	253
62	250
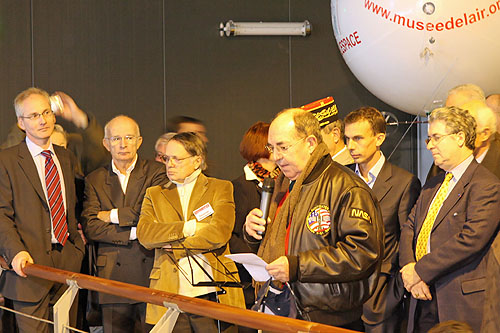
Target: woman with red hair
247	192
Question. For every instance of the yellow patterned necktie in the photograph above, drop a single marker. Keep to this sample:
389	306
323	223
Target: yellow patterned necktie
423	236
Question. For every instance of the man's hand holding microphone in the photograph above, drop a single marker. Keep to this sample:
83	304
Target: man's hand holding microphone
257	219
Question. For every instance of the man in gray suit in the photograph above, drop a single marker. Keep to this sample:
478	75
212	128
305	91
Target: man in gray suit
37	212
449	231
113	199
396	190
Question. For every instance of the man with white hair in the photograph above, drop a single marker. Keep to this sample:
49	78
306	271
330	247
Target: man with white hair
487	147
464	93
493	101
161	146
113	199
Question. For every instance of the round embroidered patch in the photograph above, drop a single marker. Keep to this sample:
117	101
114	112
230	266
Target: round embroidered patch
318	220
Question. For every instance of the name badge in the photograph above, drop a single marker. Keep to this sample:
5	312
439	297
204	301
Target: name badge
202	212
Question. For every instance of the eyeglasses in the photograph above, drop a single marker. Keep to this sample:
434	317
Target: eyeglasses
281	149
36	116
114	140
436	139
175	160
159	155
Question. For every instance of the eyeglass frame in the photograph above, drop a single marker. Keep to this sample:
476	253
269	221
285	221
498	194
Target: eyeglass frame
114	140
36	115
282	150
175	160
437	141
159	154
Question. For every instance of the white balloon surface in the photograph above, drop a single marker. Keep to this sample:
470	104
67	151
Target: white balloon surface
410	53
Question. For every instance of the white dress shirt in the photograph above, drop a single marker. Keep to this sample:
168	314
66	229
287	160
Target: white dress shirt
123	178
39	159
188	268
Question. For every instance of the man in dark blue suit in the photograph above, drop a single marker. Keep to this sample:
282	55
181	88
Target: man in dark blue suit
396	190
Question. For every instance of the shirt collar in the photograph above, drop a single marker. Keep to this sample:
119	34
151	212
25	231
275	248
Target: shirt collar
481	157
250	175
459	170
339	152
373	172
35	149
189	179
128	171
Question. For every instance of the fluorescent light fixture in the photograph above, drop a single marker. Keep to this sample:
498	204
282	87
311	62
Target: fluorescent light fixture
232	28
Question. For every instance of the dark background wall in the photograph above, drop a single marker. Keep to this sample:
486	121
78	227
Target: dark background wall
154	59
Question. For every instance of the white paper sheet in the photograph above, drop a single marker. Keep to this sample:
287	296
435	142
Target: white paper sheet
253	264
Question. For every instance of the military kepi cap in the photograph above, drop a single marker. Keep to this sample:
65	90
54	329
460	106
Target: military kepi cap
325	110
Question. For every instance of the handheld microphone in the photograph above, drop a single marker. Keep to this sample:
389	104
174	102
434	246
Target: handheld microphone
265	200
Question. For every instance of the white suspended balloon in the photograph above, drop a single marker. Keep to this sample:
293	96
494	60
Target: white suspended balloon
410	53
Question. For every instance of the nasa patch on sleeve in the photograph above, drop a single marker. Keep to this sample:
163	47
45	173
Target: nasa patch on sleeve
361	214
318	220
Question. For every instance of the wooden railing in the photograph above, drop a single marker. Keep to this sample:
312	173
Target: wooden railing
197	306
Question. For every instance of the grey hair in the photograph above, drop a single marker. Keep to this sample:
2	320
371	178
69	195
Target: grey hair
457	120
471	91
59	129
194	145
23	95
164	139
106	127
339	123
305	123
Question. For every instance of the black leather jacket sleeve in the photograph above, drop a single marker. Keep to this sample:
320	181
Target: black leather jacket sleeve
353	247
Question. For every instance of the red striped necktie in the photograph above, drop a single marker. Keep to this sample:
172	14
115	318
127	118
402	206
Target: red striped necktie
57	212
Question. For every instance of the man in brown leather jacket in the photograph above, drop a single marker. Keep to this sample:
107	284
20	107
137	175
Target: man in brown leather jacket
325	231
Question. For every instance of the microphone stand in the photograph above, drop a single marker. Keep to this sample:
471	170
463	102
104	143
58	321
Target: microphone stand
212	283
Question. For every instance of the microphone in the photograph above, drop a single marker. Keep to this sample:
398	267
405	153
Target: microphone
265	200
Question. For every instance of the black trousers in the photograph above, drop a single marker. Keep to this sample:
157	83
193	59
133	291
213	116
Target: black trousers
426	314
188	322
124	318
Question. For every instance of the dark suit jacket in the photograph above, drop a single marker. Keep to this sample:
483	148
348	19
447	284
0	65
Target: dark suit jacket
246	197
492	159
491	318
460	238
118	258
25	223
397	191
